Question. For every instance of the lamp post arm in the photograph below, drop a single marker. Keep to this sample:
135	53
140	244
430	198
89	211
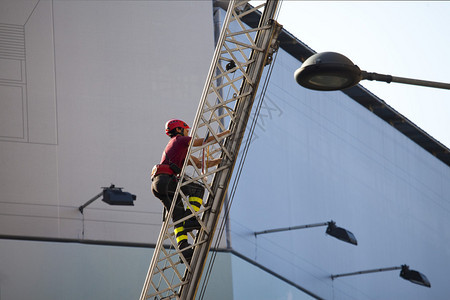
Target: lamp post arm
291	228
81	208
390	78
376	76
434	84
365	272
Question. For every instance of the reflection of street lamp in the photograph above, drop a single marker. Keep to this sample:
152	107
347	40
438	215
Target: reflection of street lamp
405	273
337	232
113	196
331	71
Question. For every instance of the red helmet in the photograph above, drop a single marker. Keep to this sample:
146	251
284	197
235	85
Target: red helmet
175	123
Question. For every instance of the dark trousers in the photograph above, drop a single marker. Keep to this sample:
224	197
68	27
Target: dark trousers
164	186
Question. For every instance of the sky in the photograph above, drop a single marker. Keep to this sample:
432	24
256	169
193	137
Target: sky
400	38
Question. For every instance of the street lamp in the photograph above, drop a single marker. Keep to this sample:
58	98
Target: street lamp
113	196
337	232
405	273
331	71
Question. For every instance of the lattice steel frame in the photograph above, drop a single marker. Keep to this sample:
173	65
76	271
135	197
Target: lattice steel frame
226	103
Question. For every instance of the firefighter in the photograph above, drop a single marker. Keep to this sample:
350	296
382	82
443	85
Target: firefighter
165	180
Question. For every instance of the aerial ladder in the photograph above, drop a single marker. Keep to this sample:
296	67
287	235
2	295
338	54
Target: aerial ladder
226	103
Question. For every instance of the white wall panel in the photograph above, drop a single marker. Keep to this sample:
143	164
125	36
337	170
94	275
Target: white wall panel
40	75
102	78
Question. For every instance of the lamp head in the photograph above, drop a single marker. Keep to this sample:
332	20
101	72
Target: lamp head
341	233
115	196
328	71
414	276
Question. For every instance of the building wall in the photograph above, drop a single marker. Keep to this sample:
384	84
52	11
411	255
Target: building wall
250	282
86	102
54	270
320	156
84	105
45	270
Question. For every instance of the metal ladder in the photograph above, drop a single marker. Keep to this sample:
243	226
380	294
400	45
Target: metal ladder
226	102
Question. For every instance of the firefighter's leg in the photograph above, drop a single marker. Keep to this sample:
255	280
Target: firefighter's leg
160	190
179	229
182	241
163	187
181	234
196	192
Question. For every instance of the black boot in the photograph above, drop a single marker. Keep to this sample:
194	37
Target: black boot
185	251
